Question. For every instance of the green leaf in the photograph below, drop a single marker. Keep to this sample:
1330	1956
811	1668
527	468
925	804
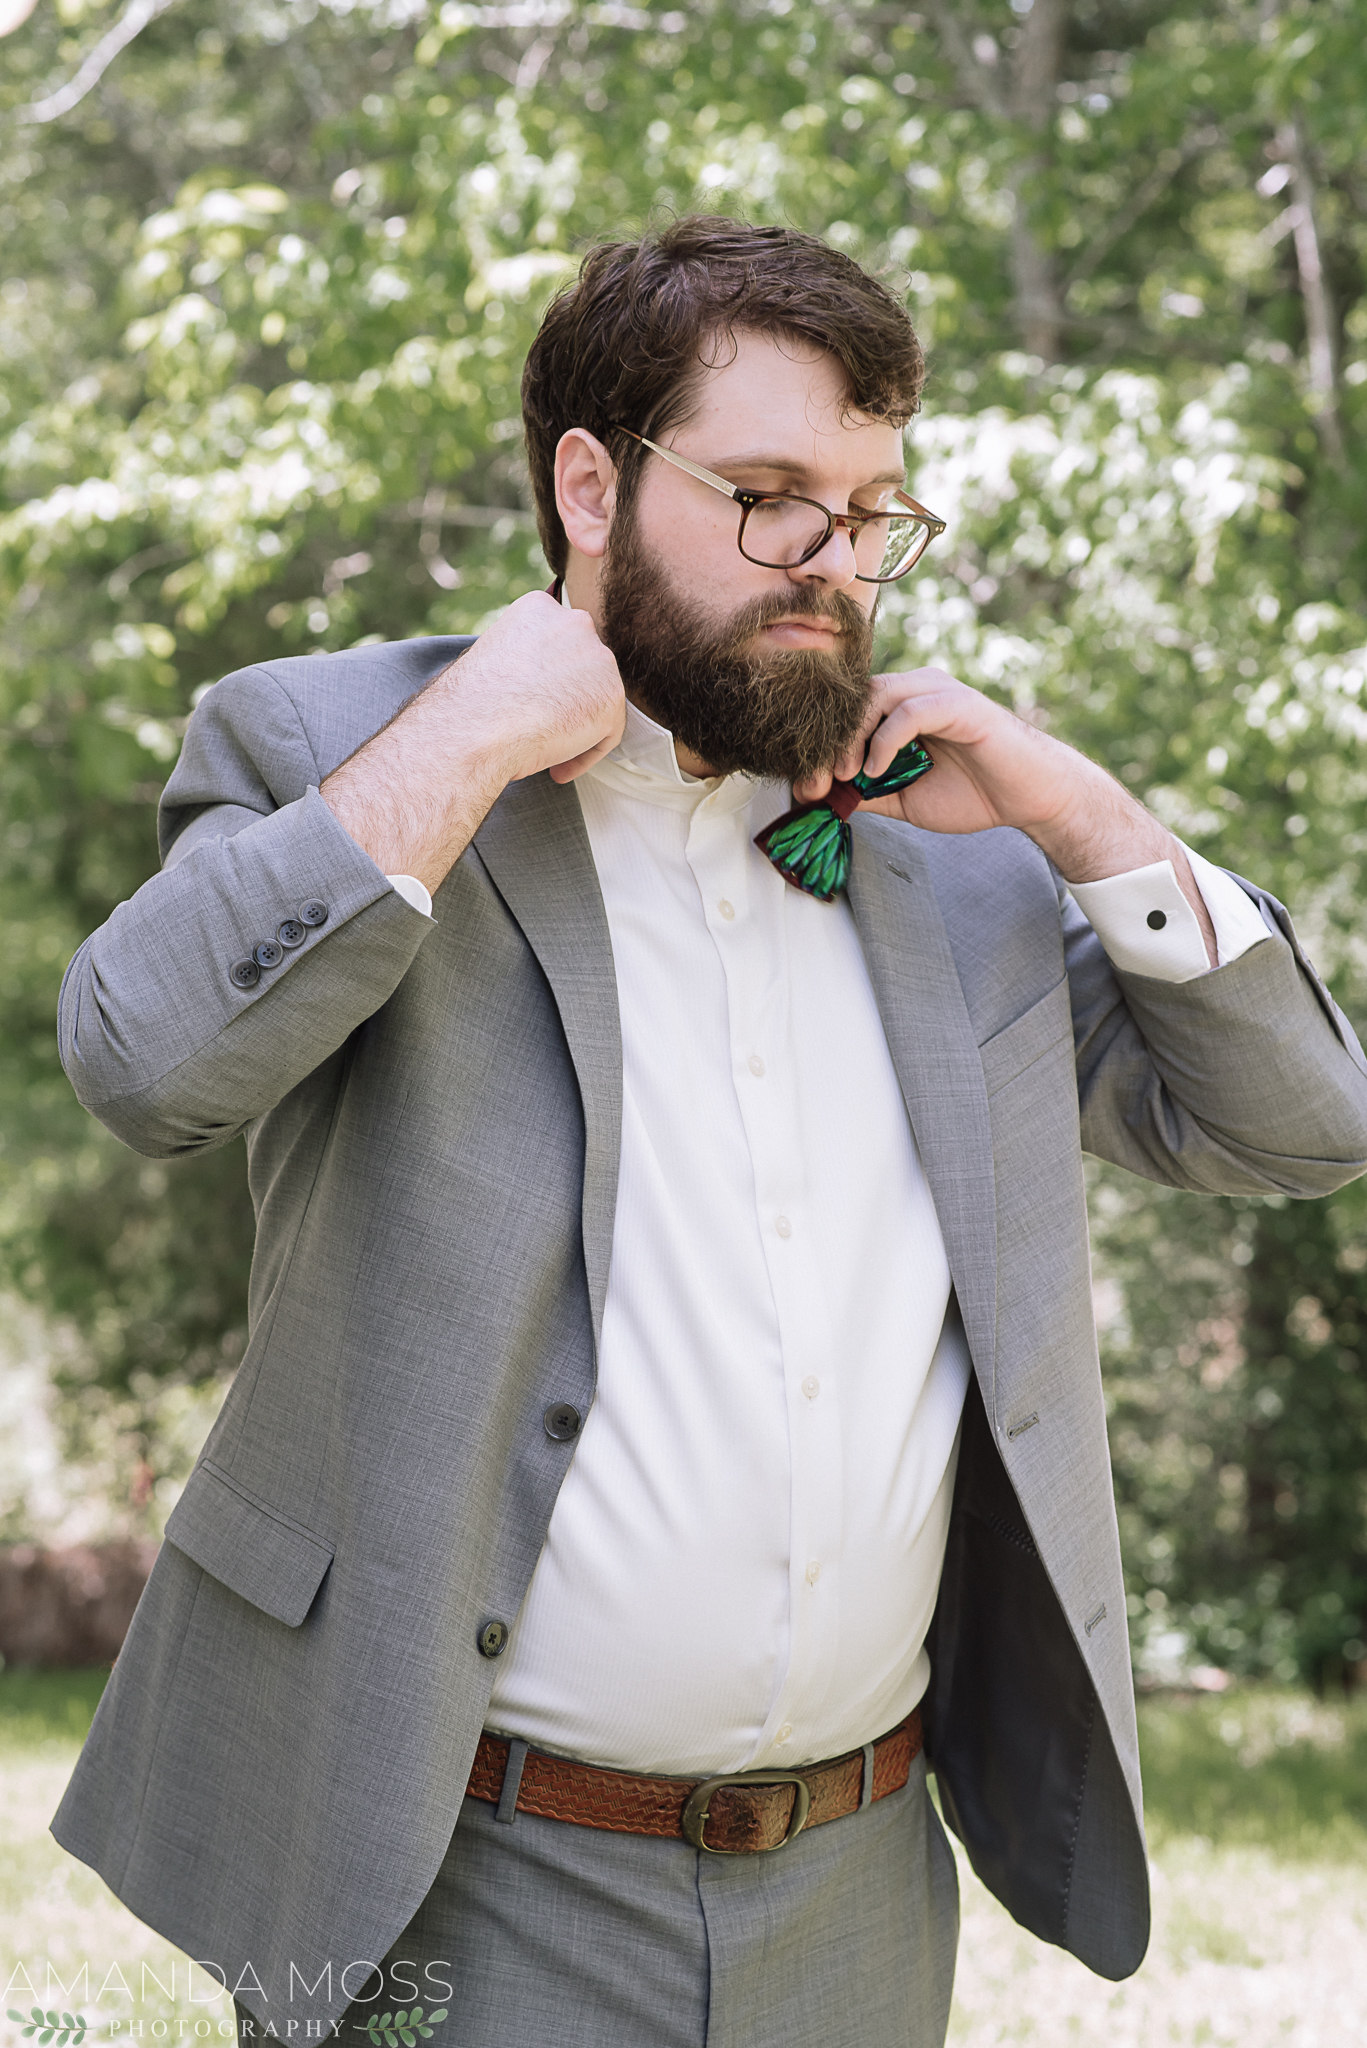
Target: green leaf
385	2020
67	2020
46	2036
401	2018
435	2016
415	2015
408	2037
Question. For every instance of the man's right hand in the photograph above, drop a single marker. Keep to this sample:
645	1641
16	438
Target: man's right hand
537	691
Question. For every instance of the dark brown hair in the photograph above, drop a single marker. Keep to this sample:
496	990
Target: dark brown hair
624	343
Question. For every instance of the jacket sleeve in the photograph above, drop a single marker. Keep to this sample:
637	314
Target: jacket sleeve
1246	1080
159	1040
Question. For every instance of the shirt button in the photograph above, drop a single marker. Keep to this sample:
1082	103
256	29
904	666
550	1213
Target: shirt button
811	1386
493	1639
1156	920
755	1064
727	910
785	1733
783	1226
813	1572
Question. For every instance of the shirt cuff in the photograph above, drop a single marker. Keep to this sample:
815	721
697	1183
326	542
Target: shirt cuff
412	891
1148	927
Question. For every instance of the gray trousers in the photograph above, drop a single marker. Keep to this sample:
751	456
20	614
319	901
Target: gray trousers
540	1934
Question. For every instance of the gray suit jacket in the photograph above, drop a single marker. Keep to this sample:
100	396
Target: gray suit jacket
432	1115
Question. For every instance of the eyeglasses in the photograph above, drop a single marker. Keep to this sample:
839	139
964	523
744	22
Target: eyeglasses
779	531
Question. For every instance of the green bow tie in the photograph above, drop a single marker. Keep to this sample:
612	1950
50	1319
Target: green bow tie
810	845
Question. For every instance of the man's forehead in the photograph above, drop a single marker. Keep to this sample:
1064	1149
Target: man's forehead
781	398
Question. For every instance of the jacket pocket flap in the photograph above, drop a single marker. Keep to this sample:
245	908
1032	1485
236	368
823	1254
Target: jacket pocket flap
247	1545
1019	1044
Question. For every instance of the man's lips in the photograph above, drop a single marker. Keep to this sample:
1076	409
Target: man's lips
803	632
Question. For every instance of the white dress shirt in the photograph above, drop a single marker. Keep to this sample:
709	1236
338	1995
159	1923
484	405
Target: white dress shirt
744	1556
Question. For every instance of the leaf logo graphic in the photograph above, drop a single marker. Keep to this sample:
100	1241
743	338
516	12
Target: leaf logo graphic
388	2029
60	2027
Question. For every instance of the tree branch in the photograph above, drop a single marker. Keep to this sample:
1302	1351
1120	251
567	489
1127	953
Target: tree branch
1139	202
131	23
977	82
1315	294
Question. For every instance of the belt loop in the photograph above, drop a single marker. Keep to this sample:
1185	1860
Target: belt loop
512	1782
866	1795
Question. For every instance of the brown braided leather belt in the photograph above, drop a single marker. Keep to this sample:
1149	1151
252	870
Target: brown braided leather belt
730	1816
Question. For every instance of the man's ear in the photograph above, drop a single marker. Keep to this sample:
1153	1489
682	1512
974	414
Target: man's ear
585	491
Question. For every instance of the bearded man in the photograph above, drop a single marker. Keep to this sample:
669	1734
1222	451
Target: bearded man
672	1412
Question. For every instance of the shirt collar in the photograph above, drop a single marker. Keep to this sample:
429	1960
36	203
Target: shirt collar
644	763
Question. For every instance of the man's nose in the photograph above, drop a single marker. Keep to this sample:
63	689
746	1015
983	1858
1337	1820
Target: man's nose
833	564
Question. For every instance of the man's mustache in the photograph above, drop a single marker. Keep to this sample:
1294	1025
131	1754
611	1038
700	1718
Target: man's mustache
805	601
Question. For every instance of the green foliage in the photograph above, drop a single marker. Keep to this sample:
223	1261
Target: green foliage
267	291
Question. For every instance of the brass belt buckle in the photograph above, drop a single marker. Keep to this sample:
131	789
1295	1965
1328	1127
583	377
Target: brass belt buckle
695	1811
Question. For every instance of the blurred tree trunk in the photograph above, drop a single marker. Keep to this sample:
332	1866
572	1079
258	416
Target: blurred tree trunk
1026	97
1035	76
1321	326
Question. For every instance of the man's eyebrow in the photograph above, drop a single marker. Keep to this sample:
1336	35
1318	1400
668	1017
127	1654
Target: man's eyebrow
785	466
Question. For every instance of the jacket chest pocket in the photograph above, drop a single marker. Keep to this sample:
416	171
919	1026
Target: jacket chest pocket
1045	1030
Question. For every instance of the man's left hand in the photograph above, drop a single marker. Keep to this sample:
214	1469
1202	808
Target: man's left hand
991	768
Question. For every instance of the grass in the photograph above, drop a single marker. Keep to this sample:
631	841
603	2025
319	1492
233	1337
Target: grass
46	1712
1257	1814
1275	1770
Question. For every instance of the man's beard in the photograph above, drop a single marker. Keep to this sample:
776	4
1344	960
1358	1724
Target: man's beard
780	716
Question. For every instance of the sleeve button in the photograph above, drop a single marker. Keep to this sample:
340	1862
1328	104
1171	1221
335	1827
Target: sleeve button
561	1422
313	912
269	953
292	933
244	974
493	1639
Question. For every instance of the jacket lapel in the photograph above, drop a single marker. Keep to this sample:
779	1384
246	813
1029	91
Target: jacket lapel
935	1053
536	850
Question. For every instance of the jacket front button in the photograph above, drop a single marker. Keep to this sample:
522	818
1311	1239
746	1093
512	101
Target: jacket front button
493	1639
269	953
313	912
244	974
292	933
561	1422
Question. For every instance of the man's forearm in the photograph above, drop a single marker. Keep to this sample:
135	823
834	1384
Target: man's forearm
537	691
1110	833
414	796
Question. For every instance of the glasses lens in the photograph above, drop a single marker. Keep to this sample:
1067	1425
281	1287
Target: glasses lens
894	544
780	532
